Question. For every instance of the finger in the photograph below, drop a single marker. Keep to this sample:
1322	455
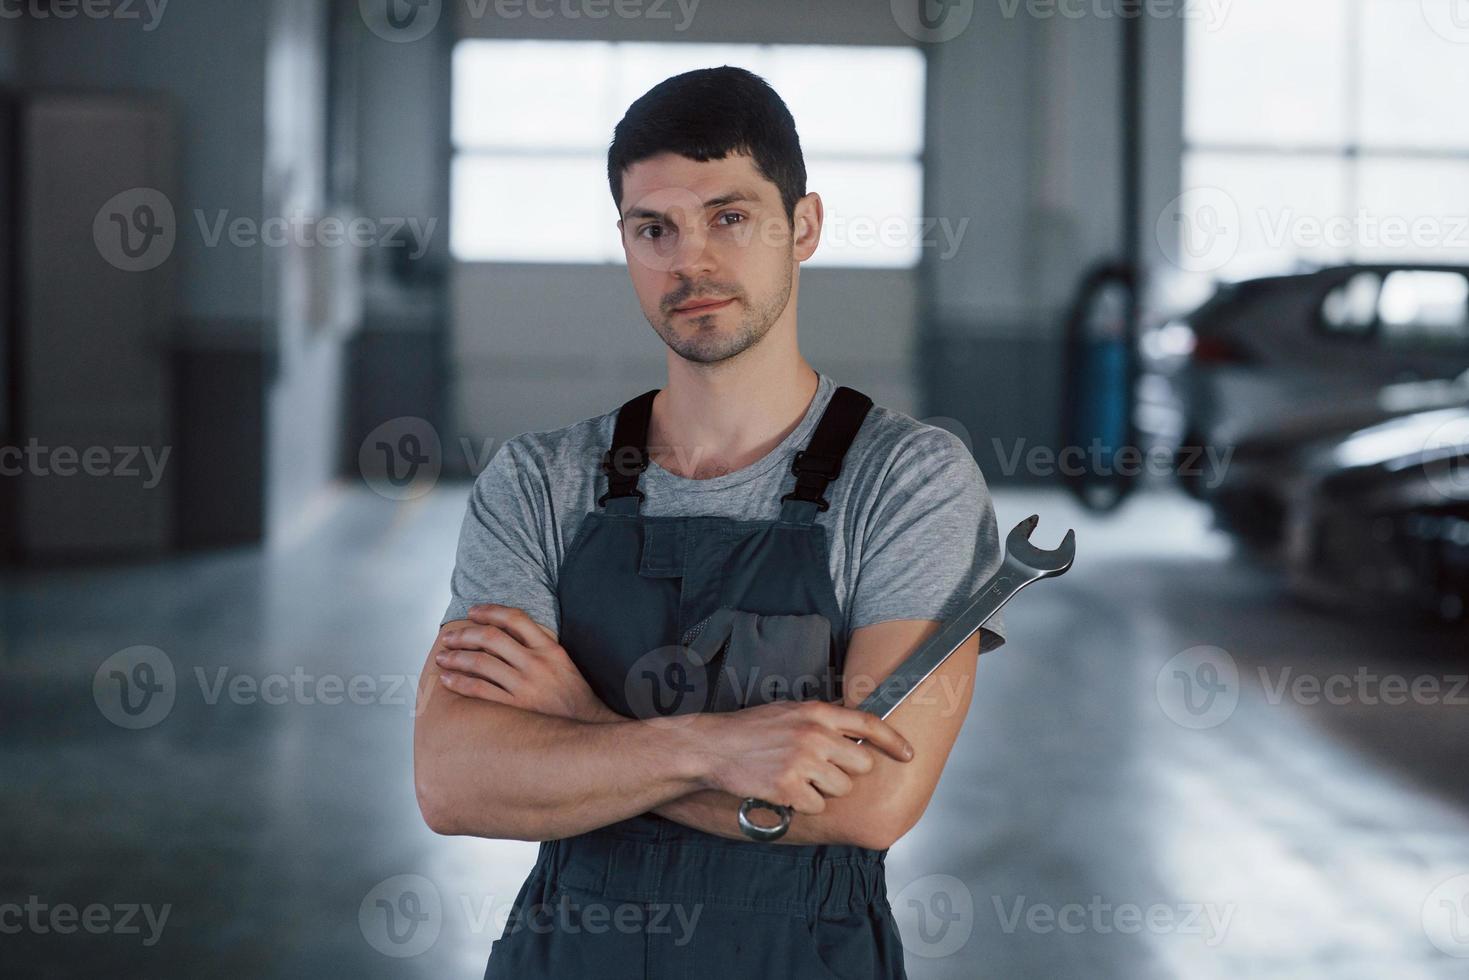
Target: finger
455	636
851	757
514	621
490	639
473	687
871	729
807	800
484	665
830	781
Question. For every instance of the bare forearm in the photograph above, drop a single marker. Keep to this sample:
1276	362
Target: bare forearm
494	770
717	812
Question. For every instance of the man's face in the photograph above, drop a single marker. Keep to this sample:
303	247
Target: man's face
710	251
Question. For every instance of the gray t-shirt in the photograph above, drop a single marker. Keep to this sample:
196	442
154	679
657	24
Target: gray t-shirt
911	528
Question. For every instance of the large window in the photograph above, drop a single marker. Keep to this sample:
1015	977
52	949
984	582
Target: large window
532	121
1326	131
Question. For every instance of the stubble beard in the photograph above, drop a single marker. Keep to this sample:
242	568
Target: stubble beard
700	340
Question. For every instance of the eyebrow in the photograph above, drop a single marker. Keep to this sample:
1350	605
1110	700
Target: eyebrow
730	197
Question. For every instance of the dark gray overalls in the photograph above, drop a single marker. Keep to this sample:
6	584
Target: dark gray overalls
648	898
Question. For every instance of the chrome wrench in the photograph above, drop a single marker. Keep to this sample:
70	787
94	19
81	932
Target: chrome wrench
1024	563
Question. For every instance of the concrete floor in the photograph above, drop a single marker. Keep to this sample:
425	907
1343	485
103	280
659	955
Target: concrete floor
1101	817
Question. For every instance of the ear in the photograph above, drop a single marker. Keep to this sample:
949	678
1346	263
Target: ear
806	226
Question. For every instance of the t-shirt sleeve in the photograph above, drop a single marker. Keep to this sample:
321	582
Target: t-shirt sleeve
932	539
501	556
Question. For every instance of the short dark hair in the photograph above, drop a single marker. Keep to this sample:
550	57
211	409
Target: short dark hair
707	114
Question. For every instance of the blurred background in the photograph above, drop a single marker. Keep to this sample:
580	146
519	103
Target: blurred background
278	278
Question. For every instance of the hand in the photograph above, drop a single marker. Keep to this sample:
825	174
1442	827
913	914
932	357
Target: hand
509	658
796	753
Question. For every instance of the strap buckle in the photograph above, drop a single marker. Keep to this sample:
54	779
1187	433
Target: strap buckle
602	500
826	467
621	484
820	502
805	466
612	474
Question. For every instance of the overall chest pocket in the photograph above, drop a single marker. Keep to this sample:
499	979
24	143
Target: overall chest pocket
749	659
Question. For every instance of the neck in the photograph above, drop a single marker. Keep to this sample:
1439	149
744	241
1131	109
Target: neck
717	418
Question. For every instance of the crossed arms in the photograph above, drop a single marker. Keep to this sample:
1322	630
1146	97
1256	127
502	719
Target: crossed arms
510	742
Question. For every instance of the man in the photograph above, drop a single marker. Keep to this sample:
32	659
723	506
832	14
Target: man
599	557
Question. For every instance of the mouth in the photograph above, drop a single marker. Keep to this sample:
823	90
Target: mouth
703	306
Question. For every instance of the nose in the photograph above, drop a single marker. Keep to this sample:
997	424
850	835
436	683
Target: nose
692	258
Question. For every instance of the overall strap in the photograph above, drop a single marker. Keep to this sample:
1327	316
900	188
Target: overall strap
821	461
628	456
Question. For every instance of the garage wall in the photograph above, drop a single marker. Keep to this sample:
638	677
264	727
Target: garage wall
207	62
8	50
396	364
1025	142
208	59
304	400
260	387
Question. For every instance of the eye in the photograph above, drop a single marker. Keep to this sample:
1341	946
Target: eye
643	231
729	214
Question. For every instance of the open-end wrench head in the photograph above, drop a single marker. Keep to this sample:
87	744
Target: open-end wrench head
1054	562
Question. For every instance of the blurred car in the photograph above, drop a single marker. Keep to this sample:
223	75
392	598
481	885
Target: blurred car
1335	404
1262	477
1280	360
1380	516
1373	517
